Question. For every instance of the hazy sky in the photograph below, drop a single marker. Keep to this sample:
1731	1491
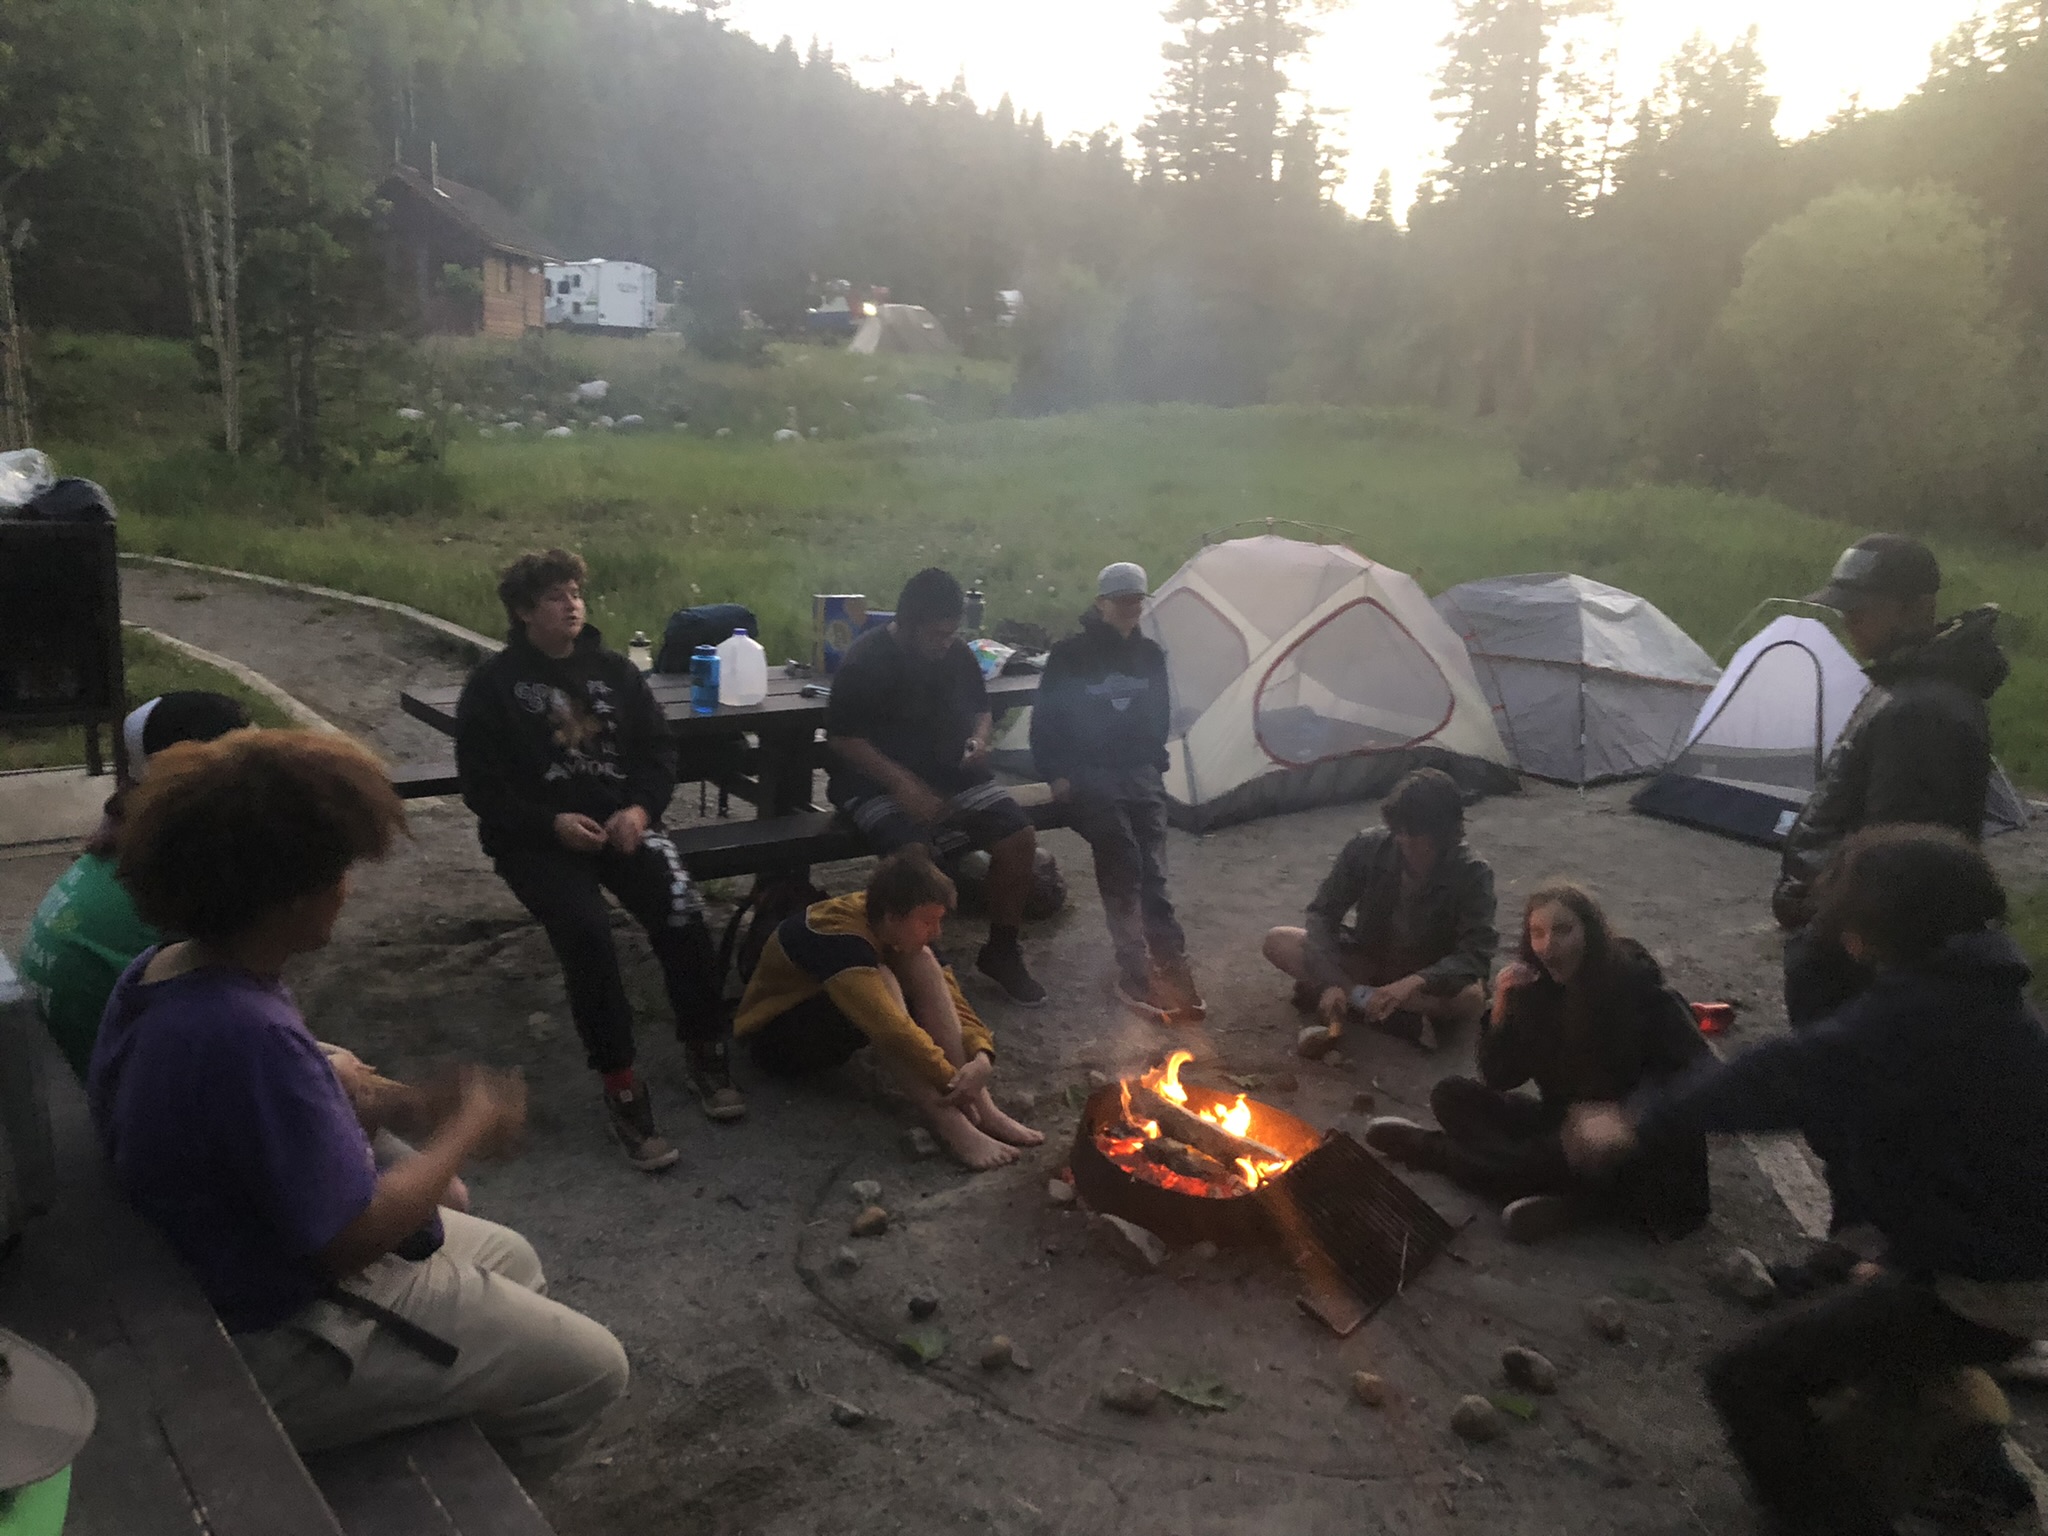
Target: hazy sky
1087	63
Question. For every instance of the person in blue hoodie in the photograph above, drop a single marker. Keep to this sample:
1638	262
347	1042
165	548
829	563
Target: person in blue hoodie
1098	733
1931	1089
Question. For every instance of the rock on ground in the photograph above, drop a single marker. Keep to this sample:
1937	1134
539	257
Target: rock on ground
1526	1369
1477	1420
1130	1243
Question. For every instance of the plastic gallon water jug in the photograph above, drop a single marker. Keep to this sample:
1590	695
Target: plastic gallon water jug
742	670
704	680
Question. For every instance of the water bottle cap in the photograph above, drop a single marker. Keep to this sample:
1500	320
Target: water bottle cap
739	634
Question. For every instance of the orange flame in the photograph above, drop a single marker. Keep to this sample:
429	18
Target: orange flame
1168	1086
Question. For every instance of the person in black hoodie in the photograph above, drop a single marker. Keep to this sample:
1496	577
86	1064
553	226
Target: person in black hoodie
1586	1015
566	760
1917	749
1930	1088
1098	733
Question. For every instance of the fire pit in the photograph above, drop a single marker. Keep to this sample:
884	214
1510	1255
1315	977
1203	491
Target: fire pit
1189	1163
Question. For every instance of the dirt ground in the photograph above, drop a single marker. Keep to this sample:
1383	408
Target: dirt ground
719	1279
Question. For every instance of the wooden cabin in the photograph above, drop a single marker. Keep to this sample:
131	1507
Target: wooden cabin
435	223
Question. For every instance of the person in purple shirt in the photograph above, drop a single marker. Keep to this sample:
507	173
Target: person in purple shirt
361	1305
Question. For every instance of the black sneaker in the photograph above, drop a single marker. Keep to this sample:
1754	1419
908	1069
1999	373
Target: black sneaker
631	1116
1400	1139
711	1075
1005	967
1827	1266
1173	984
1537	1218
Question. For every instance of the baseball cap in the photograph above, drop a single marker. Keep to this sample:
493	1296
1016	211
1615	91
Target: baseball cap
170	718
1880	565
1122	579
46	1413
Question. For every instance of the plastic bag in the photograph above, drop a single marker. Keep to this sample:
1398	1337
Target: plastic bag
24	475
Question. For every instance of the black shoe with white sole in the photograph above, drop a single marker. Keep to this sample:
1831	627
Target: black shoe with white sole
1004	965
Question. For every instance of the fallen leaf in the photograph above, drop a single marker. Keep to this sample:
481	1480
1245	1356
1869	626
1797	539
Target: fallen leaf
921	1346
1206	1392
1520	1407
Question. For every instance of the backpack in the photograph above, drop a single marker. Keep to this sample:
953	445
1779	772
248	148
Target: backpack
773	900
689	628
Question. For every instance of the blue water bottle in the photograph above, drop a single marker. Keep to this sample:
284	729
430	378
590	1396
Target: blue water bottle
704	680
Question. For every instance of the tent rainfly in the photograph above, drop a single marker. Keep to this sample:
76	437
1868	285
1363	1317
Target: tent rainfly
900	328
1753	756
1305	674
1587	682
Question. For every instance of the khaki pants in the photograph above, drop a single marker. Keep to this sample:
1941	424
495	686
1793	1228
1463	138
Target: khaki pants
532	1374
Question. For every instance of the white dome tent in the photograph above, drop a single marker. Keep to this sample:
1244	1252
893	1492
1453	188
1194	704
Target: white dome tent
1587	682
1305	674
1753	755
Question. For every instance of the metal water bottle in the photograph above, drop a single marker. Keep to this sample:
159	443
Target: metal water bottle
977	604
639	652
704	680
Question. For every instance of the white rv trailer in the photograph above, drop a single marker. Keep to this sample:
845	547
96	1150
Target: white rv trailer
616	297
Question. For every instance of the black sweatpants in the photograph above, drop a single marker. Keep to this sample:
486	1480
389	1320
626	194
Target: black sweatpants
1128	839
1821	978
1507	1145
565	891
1501	1145
1890	1330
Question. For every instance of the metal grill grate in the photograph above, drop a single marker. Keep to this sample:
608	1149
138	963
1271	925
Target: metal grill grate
1342	1206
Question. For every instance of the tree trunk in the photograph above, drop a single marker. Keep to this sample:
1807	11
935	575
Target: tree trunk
231	292
15	430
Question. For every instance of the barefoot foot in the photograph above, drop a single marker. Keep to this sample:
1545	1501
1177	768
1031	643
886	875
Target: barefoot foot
999	1125
966	1142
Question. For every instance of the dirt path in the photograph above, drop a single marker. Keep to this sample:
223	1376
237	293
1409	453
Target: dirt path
719	1277
347	663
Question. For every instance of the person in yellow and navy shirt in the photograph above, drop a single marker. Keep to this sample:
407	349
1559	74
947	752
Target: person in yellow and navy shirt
859	971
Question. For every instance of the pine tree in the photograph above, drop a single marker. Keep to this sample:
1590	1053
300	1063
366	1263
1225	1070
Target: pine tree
1379	214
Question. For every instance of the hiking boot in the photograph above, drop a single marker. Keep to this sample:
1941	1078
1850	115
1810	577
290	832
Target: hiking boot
711	1076
1315	1042
1306	999
1005	967
1401	1139
631	1116
1174	985
1405	1024
1536	1218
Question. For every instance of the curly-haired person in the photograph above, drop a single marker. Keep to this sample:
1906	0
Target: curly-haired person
360	1305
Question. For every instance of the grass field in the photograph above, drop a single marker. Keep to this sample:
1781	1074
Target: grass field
1033	508
152	668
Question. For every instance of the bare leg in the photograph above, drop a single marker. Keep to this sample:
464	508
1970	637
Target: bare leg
1009	878
1287	948
920	982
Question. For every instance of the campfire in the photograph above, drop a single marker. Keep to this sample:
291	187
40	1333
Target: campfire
1189	1163
1206	1150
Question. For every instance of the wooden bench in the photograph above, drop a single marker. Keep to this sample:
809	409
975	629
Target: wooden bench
423	781
185	1444
777	844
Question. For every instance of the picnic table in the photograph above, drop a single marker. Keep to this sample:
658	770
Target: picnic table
765	753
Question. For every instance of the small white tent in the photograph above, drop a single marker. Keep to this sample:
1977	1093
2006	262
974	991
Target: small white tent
1587	682
1754	754
900	328
1305	674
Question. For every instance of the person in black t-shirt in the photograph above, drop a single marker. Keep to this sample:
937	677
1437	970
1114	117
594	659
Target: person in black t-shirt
908	726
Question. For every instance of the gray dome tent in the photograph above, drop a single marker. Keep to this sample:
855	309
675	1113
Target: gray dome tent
1587	682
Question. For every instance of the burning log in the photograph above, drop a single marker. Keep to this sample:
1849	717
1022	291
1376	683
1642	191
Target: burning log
1185	1126
1188	1162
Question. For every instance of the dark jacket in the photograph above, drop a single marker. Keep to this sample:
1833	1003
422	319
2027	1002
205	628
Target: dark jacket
1918	748
1639	1031
1102	712
1930	1092
1450	921
535	737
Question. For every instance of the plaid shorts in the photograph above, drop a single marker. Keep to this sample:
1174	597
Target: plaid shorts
980	816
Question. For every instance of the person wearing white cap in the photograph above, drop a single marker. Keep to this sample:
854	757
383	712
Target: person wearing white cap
1098	732
86	929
